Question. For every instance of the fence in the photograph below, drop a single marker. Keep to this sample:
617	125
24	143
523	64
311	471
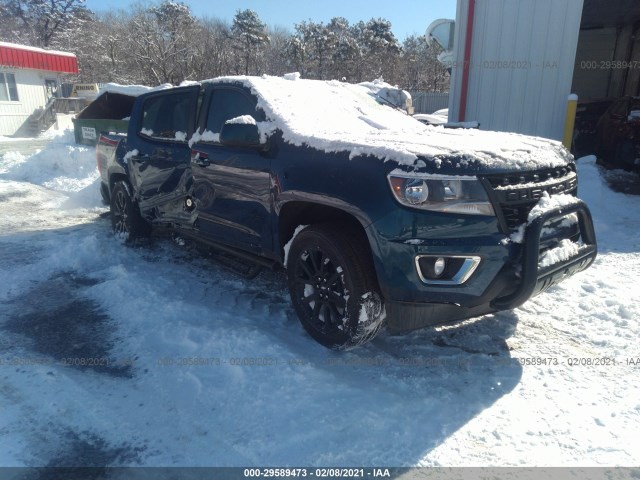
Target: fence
428	102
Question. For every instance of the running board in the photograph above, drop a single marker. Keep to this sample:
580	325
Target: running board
249	257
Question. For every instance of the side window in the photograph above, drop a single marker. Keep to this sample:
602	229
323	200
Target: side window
8	87
167	116
227	103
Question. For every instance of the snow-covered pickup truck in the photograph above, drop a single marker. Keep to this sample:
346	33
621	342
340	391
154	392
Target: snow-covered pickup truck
376	217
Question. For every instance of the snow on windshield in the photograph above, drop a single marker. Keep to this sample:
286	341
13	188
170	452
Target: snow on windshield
335	116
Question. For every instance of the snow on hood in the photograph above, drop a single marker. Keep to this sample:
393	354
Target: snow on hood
335	116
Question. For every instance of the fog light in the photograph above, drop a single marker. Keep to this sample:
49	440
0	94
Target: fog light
439	265
449	270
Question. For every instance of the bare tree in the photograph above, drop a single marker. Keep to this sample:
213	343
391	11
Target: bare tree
38	22
162	43
421	69
213	52
275	59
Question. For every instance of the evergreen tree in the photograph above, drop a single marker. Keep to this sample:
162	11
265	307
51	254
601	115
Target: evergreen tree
249	35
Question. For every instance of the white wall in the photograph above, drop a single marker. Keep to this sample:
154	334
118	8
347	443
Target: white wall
522	60
31	95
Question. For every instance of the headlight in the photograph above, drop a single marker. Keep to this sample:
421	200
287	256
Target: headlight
441	193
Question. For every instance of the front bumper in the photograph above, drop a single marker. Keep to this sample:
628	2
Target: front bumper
508	275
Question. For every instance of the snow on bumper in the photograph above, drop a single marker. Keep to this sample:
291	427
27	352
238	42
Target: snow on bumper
537	276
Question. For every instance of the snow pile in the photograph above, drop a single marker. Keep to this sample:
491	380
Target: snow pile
61	165
339	117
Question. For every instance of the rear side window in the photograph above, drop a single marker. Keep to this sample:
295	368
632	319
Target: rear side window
227	103
167	116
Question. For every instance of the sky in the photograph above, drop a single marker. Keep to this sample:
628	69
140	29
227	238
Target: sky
406	16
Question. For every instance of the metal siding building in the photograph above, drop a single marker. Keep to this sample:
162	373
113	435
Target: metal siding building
514	64
428	102
33	69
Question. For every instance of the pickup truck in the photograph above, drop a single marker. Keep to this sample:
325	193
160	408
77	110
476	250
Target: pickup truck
377	218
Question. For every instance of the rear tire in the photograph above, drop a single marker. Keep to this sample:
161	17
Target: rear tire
333	286
126	220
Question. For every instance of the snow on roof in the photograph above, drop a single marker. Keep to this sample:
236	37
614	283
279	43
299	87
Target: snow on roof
131	90
36	49
340	117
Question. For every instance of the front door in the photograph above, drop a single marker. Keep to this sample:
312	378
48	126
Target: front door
50	89
232	185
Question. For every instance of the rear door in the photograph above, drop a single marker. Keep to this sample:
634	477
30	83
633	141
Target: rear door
232	185
159	157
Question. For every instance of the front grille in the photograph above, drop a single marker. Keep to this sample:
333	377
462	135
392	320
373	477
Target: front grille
504	180
514	195
514	216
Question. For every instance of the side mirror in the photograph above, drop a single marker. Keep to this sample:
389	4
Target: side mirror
240	135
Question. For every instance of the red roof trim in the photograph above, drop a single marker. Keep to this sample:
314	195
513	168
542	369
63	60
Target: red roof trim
15	57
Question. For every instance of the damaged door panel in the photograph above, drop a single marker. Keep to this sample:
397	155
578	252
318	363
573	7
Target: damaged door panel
159	157
232	183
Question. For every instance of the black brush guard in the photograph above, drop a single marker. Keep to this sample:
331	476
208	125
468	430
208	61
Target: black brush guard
536	280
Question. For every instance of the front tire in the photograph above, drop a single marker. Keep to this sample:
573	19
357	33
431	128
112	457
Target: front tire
333	286
126	220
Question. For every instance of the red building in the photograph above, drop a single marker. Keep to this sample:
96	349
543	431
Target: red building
29	78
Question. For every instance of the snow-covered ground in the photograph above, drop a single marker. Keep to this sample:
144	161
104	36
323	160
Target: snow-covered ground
153	355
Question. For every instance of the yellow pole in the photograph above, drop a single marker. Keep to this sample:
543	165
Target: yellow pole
570	120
